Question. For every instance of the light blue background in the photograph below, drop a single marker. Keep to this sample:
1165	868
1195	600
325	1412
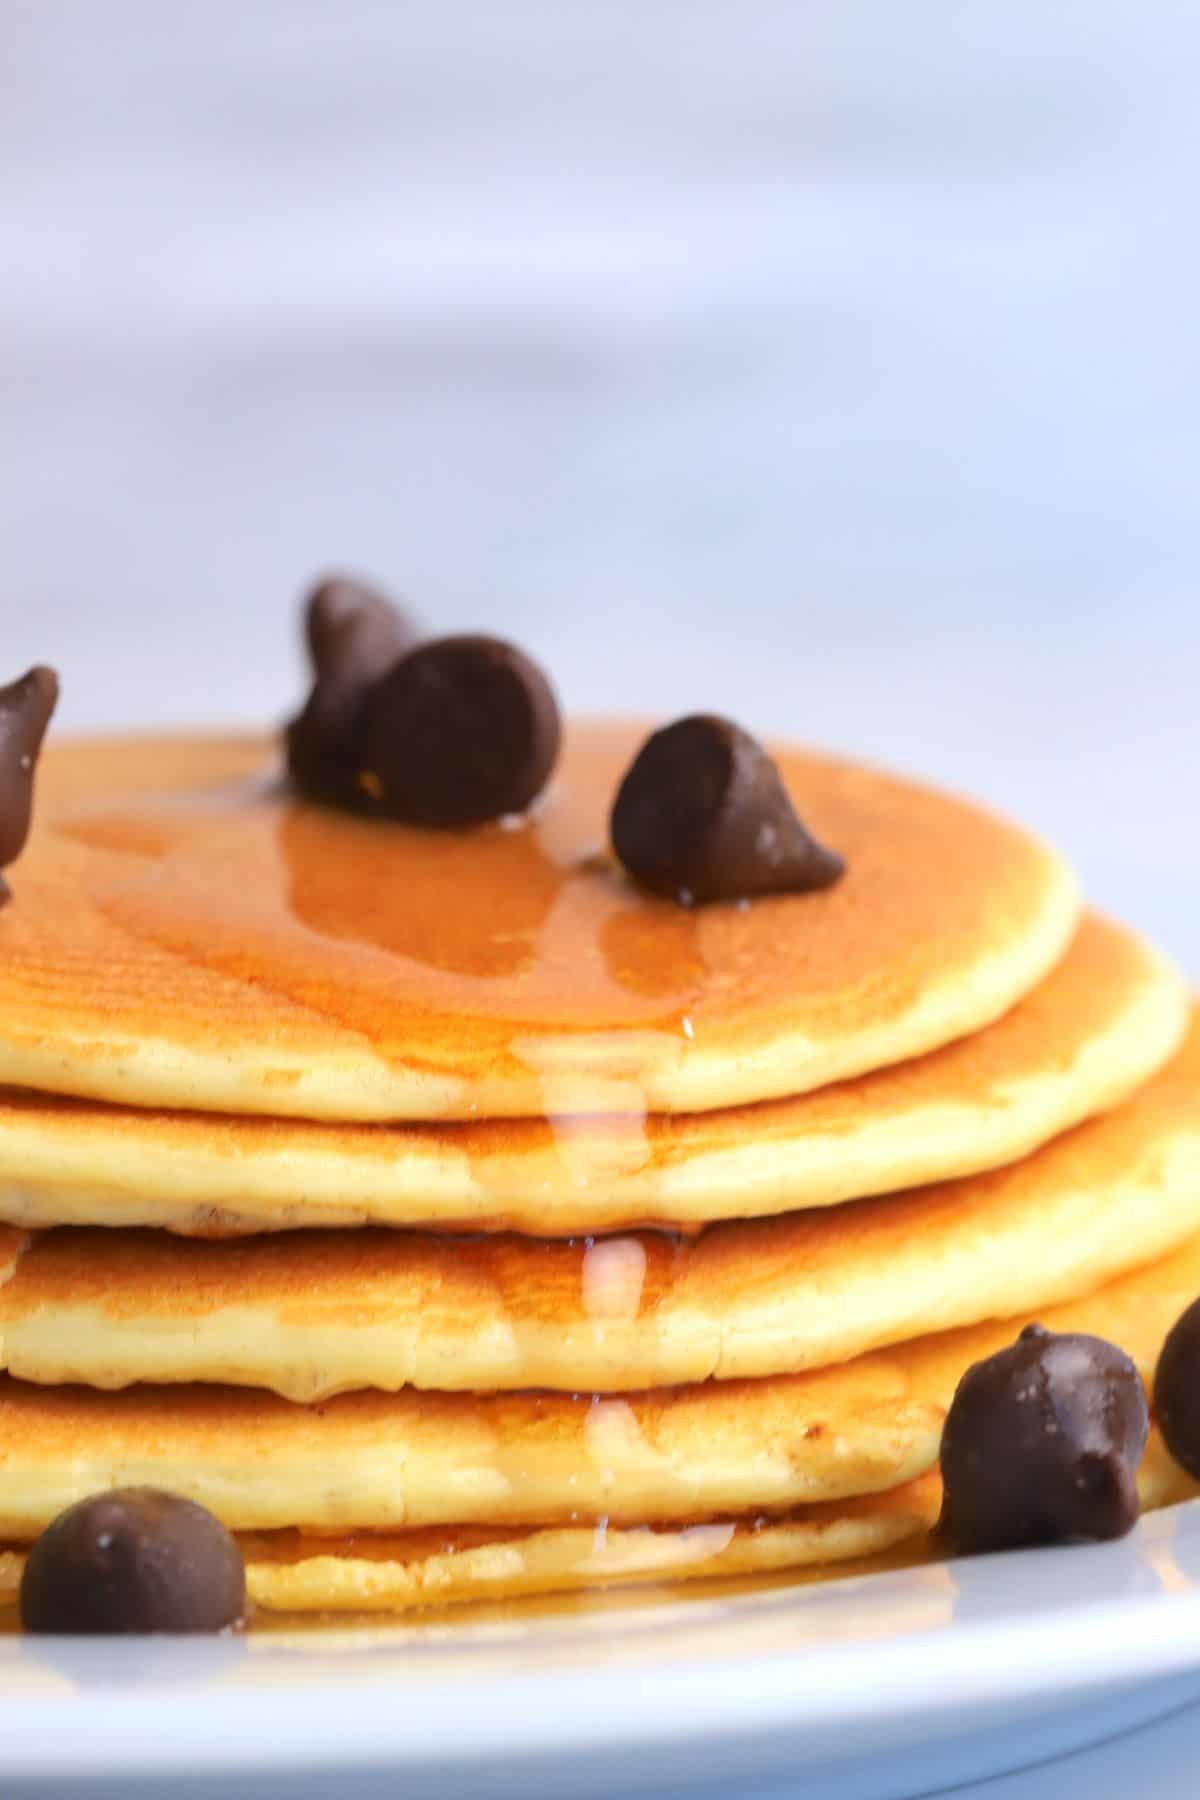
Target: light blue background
836	364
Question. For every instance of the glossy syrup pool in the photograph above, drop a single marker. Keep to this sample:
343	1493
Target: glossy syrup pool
509	971
416	942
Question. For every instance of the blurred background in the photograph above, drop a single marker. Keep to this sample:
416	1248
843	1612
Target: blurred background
831	363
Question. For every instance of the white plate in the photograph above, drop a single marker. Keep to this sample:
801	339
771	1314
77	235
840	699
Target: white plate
881	1686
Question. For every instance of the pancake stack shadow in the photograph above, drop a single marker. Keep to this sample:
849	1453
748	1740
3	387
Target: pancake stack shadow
459	1223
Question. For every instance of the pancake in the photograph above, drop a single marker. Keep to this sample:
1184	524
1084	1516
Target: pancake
291	1573
394	1572
398	1572
188	936
386	1461
390	1574
372	1461
295	1574
308	1314
1099	1025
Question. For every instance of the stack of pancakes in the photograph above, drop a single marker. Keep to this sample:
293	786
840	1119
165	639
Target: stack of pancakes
456	1221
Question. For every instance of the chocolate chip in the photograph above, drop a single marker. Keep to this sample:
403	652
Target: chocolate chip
1042	1445
462	730
1177	1391
134	1560
354	632
26	708
703	815
354	635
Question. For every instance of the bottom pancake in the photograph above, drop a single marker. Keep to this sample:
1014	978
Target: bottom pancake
292	1573
417	1571
299	1572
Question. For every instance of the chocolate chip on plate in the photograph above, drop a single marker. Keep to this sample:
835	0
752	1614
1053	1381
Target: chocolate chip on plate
1042	1445
26	708
133	1560
354	636
1177	1391
460	731
703	815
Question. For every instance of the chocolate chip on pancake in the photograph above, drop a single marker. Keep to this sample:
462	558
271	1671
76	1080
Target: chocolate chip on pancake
354	632
354	636
133	1560
703	814
1042	1445
460	731
26	708
1177	1390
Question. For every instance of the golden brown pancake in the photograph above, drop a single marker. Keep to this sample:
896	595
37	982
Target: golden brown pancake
395	1572
386	1462
189	936
311	1313
401	1571
1102	1022
293	1573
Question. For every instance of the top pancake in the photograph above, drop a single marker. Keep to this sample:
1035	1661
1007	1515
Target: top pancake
185	934
1103	1021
